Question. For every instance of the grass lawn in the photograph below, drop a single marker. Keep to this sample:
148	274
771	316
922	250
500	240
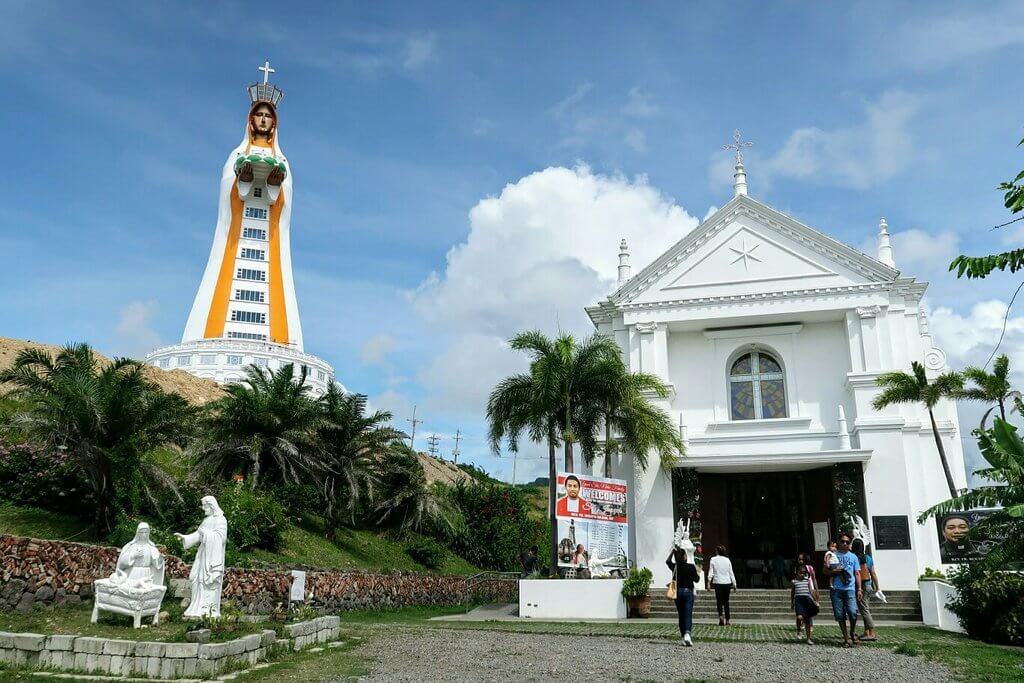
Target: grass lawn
352	549
75	620
26	521
304	544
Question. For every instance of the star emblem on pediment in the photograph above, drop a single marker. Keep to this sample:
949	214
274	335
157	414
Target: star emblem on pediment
745	254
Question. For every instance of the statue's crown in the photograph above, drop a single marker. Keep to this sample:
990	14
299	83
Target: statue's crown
265	92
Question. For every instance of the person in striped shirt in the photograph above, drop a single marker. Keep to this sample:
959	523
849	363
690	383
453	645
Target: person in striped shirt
804	596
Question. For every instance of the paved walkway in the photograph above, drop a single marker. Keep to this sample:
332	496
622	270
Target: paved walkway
457	652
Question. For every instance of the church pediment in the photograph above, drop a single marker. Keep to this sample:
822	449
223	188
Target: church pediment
747	248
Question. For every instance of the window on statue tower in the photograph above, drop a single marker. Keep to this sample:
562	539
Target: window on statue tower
757	387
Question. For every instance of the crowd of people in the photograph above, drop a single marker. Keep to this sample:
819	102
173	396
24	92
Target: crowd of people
849	570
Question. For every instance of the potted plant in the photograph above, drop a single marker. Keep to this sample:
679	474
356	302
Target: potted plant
635	588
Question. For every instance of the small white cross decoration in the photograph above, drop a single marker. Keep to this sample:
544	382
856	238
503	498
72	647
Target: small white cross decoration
266	71
737	145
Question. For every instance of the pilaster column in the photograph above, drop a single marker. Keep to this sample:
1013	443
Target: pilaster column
870	337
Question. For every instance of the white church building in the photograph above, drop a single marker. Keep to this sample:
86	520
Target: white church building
770	335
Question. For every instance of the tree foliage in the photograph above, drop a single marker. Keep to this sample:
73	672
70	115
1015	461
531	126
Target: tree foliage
915	387
106	418
983	266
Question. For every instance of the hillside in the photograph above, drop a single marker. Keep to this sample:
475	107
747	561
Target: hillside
195	390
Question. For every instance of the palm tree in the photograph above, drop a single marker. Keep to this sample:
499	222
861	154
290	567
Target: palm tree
407	499
901	387
1003	449
517	405
622	407
265	428
353	443
565	375
991	387
106	417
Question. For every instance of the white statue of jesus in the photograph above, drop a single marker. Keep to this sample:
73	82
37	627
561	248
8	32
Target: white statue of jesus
207	575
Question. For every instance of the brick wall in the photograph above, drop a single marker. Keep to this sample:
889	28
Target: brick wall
58	572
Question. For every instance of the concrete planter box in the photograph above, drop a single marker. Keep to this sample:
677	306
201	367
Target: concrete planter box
571	599
934	596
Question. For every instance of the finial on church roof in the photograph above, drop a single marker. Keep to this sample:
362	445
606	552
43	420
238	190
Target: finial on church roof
623	262
739	178
884	245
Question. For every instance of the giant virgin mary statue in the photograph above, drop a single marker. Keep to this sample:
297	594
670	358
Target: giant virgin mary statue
247	292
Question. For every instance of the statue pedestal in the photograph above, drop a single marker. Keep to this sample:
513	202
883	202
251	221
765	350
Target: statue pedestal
135	602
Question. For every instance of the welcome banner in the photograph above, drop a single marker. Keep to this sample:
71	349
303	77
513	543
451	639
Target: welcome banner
592	523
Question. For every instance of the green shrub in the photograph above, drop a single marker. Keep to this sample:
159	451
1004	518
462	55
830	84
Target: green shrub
496	528
39	478
638	583
255	519
296	499
425	551
931	575
990	604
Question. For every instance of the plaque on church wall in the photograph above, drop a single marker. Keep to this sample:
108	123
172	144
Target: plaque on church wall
891	532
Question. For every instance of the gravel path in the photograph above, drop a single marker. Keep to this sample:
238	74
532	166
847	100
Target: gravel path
450	655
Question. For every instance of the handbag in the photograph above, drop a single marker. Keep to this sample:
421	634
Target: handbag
671	592
815	605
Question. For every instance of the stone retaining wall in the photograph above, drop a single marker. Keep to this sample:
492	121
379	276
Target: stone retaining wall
158	660
55	573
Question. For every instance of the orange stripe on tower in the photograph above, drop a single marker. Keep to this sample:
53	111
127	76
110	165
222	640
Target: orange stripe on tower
278	311
222	293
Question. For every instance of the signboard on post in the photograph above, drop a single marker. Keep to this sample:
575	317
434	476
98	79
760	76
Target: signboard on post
592	526
958	542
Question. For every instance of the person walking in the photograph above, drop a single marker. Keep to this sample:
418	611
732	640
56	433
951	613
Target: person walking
804	598
721	577
805	560
846	589
869	582
685	575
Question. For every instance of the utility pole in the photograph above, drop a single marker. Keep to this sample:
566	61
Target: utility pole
456	451
414	421
433	439
515	459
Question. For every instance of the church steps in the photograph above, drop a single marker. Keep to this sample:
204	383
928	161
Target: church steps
758	604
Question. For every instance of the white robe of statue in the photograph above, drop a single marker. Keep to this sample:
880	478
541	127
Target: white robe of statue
207	575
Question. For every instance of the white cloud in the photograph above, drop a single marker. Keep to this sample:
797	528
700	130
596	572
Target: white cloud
547	247
376	348
640	104
636	139
858	156
134	335
972	30
569	102
461	378
419	50
398	405
919	253
970	339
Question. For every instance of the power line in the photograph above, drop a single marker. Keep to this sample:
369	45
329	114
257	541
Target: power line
433	440
414	421
1005	319
456	451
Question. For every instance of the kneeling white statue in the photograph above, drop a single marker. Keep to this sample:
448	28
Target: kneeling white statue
207	575
136	588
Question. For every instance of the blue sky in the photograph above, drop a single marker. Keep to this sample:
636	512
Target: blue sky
422	135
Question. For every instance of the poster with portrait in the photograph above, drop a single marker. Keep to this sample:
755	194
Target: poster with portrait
591	517
958	541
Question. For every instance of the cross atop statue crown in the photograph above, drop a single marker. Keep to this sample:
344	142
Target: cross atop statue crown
265	91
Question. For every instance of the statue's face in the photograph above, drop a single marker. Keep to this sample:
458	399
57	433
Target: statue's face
955	528
143	534
263	120
207	508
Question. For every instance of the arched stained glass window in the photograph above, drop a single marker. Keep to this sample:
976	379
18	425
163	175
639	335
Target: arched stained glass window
757	388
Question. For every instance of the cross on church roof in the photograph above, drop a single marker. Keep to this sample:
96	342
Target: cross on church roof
267	71
737	145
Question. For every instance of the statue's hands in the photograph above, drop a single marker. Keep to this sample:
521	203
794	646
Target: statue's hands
244	172
276	176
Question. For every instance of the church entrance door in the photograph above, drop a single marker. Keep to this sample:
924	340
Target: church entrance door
764	520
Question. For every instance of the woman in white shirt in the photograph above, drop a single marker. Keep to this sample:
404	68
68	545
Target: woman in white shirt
721	578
